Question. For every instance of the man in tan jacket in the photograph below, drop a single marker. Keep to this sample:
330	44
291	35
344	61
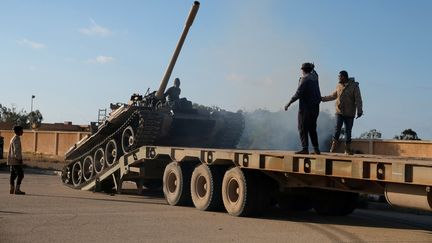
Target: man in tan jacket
15	161
348	101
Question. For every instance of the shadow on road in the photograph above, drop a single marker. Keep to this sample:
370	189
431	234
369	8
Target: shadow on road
11	212
117	200
360	217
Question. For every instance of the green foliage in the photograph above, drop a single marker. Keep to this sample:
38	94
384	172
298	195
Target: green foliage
20	117
206	108
35	118
407	134
371	134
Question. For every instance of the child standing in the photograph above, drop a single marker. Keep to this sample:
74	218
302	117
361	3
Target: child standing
15	162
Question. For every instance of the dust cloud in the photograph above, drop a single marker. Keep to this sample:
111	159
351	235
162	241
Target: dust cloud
278	130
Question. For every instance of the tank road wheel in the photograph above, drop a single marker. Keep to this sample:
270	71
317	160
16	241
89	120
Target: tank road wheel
239	194
206	184
66	175
176	184
111	152
88	168
128	140
99	160
76	174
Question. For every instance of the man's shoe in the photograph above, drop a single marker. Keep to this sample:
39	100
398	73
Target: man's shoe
333	146
12	190
303	151
316	151
18	191
348	149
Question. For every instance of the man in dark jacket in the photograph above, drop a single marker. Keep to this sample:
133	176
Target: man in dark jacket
308	92
173	93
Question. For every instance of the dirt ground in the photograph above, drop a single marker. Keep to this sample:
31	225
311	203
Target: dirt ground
52	212
39	162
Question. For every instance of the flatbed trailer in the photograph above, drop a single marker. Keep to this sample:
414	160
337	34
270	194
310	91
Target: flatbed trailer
246	182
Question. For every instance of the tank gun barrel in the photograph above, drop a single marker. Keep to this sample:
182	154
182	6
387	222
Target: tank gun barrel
177	50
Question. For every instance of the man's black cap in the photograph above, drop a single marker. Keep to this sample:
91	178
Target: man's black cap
343	73
307	66
177	81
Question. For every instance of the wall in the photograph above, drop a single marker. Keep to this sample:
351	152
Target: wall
52	143
409	148
56	143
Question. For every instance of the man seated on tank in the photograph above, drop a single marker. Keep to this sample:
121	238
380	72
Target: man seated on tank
173	94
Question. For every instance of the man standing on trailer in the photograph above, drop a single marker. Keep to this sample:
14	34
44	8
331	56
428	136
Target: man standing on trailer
308	92
348	100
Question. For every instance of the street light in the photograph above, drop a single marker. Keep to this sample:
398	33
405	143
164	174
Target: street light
31	108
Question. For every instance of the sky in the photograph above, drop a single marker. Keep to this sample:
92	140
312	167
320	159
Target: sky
79	56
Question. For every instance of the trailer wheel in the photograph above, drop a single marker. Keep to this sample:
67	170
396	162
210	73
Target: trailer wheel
176	184
335	203
239	194
206	187
266	190
152	184
294	202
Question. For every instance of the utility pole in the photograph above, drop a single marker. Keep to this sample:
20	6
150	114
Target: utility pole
31	108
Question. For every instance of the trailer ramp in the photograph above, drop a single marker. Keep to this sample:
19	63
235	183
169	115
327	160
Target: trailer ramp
109	174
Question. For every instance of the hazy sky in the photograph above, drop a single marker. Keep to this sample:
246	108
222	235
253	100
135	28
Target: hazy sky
79	56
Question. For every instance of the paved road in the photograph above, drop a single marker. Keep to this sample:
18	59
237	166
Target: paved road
51	212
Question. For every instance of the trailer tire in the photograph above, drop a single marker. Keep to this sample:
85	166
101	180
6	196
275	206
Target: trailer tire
239	194
266	192
206	187
176	184
293	202
152	184
335	203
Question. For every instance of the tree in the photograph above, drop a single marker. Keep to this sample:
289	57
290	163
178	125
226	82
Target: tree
35	118
372	134
407	134
22	118
11	115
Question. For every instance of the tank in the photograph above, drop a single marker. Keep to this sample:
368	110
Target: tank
150	119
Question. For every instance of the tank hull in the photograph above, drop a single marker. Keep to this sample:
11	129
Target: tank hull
131	127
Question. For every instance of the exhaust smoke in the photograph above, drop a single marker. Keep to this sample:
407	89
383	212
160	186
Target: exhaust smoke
278	130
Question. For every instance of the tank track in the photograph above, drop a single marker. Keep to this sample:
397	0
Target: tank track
146	133
149	128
